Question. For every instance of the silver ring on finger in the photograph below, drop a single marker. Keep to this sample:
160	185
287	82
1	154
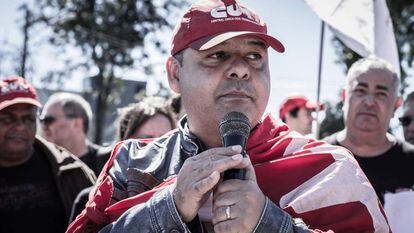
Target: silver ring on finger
228	214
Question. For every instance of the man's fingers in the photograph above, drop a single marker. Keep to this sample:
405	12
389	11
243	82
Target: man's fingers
225	199
250	173
206	184
244	164
227	226
224	213
202	169
217	153
233	185
235	161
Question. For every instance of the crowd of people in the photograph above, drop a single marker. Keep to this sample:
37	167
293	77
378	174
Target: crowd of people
165	171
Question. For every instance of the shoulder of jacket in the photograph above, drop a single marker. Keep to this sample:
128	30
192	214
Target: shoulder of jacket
59	156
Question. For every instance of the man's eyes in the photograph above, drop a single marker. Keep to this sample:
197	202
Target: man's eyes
254	56
217	55
6	120
359	91
30	119
382	94
12	120
222	55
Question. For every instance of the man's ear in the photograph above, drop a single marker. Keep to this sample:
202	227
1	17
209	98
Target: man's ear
343	96
173	68
398	103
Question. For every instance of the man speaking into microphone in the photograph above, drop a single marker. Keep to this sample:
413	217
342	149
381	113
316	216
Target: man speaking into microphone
219	64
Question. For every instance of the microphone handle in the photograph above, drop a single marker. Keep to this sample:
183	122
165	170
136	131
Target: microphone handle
231	140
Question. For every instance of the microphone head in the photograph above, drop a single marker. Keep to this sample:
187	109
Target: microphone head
235	123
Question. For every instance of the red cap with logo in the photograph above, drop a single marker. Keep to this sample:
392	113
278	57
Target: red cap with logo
15	90
209	22
297	101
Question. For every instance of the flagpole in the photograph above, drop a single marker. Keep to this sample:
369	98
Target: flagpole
318	93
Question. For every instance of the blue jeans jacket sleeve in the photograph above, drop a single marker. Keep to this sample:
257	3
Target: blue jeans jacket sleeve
159	214
274	219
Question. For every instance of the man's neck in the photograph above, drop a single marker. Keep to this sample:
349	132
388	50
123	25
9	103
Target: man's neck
210	137
17	158
78	146
365	144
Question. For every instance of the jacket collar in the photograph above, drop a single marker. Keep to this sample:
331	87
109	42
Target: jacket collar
191	144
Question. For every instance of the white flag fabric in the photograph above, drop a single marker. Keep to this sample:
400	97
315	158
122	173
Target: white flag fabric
365	26
399	208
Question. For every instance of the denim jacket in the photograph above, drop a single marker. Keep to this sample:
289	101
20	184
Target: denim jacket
137	169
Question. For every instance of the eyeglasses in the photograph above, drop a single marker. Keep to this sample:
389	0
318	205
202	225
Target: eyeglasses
48	120
405	120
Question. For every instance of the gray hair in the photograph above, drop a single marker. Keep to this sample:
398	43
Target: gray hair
372	63
73	105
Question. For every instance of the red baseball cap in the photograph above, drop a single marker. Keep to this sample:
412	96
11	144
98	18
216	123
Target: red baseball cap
15	90
297	101
209	22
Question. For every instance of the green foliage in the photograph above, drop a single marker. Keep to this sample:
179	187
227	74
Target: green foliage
333	121
112	34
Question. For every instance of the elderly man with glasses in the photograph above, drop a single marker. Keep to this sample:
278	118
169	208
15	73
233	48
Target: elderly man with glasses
65	119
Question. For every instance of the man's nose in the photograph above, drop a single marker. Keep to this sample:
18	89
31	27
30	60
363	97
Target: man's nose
238	69
19	125
369	99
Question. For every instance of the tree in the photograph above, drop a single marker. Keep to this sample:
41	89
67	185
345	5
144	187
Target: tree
401	12
333	121
14	59
25	29
112	35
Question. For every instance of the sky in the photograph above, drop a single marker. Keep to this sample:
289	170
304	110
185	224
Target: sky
295	71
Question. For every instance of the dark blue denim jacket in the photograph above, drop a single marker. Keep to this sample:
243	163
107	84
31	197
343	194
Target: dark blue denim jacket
137	169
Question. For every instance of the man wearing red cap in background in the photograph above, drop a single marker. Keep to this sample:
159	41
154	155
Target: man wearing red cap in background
38	180
219	64
296	112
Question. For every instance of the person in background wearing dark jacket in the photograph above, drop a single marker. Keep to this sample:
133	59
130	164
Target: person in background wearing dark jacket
38	180
370	100
66	120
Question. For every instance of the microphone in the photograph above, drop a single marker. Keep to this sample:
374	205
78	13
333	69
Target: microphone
234	130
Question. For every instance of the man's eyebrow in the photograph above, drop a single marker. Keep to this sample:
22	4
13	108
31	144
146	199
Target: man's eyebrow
382	87
259	43
6	114
362	84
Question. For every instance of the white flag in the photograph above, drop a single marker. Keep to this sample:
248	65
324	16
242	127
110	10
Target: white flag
365	26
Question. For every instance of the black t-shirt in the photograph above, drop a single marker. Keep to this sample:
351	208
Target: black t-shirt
29	200
390	171
96	157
